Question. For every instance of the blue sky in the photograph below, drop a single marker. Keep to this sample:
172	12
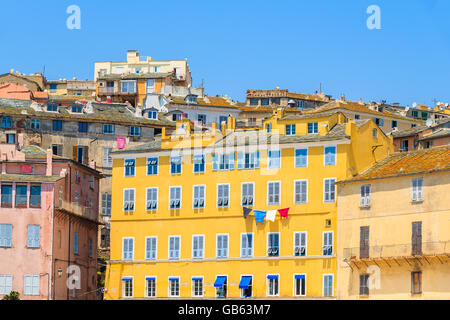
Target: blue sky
238	45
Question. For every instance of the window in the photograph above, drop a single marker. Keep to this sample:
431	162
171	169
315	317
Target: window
128	87
199	163
330	156
135	131
6	196
174	247
269	127
150	287
394	124
21	196
417	186
300	244
327	285
416	239
81	154
127	287
223	195
415	114
175	164
247	194
374	133
363	284
6	122
5	284
248	160
109	128
364	248
150	248
301	191
152	115
75	243
246	245
327	245
221	286
128	248
265	102
35	124
379	122
128	200
424	115
174	287
330	190
152	166
274	159
52	108
191	99
107	160
57	125
175	197
130	167
222	246
272	285
300	285
254	102
313	128
150	85
273	244
176	116
82	127
201	118
365	195
152	198
273	193
246	286
31	285
223	119
416	282
357	117
199	197
106	204
76	109
5	235
34	235
197	287
301	158
53	88
223	162
91	247
197	246
10	138
57	149
290	129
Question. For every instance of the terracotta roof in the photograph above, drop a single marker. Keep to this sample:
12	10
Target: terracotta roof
444	132
14	91
206	101
408	132
29	178
38	94
408	163
362	108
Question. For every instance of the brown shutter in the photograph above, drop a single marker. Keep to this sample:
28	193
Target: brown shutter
86	156
364	242
416	238
74	153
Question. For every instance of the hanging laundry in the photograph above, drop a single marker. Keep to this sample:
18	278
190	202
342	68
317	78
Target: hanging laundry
271	215
283	212
246	212
120	143
259	216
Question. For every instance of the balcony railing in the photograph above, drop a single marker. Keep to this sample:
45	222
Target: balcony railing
398	251
79	210
108	90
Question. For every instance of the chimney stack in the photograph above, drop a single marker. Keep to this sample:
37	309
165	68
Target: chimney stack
49	171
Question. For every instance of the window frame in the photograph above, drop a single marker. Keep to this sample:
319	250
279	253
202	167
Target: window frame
329	164
247	248
226	249
147	198
124	288
324	245
330	192
200	198
296	156
228	198
268	247
129	201
270	162
178	256
146	286
125	167
193	286
295	191
268	193
152	165
294	293
149	250
202	251
242	194
170	286
268	282
332	284
417	190
170	197
300	246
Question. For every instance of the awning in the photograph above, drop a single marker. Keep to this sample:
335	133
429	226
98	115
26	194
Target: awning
197	279
245	282
150	278
220	281
299	276
272	277
127	279
174	279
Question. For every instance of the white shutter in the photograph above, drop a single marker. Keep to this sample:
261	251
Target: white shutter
36	285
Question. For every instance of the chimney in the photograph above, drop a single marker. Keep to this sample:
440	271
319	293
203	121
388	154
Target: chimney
49	171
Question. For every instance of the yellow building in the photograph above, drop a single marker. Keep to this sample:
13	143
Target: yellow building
178	226
394	229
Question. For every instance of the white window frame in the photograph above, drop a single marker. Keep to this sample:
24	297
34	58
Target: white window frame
217	245
228	198
194	163
324	190
268	285
125	169
181	197
33	286
417	191
326	245
268	244
35	242
202	248
306	242
270	160
147	249
146	286
252	247
104	209
200	199
268	193
325	156
123	249
332	284
242	194
124	287
193	287
295	191
147	200
7	284
295	285
170	283
242	290
181	165
365	195
295	158
179	248
157	166
129	201
128	88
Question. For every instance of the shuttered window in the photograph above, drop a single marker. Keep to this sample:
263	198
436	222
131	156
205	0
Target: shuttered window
223	195
330	190
222	246
6	235
365	195
198	246
300	244
247	196
327	249
330	156
106	204
150	248
152	198
34	236
199	197
273	193
128	249
328	285
364	242
364	285
31	285
128	201
416	238
174	247
175	198
6	284
417	185
301	191
273	244
246	245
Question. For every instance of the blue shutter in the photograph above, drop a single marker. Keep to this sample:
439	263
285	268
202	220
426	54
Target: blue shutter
240	160
215	162
257	163
231	159
293	129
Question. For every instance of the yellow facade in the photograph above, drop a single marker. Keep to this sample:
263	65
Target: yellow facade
390	259
353	142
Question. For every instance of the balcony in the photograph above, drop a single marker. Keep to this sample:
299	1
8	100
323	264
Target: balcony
399	252
108	91
78	210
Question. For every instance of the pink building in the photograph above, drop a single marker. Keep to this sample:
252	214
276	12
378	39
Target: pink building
48	225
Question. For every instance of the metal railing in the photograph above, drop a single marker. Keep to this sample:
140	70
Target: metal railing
398	250
108	90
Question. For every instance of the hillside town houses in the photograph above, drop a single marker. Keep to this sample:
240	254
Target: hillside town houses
139	185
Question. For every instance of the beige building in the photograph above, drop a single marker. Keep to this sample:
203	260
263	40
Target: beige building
394	229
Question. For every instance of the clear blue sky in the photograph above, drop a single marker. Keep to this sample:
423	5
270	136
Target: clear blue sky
238	45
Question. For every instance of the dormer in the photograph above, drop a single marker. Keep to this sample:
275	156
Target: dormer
151	113
191	98
51	107
76	108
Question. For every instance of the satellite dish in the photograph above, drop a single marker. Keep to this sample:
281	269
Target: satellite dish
407	109
446	105
414	105
429	123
